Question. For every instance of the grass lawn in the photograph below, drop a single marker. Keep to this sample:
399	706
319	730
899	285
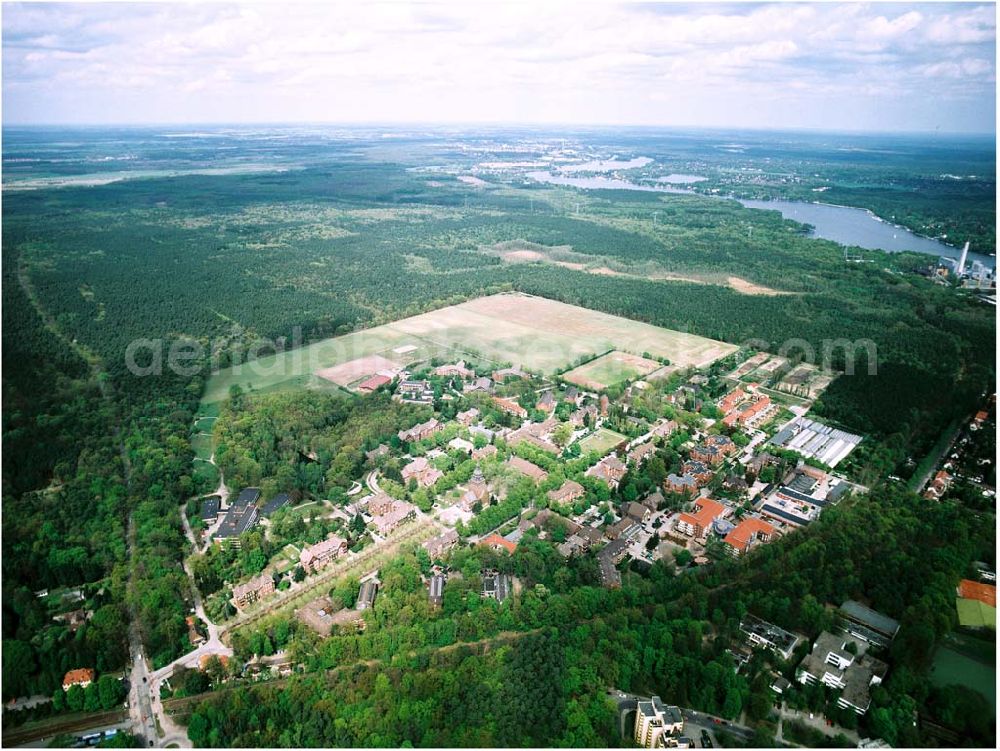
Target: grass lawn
202	445
602	441
530	332
609	369
207	472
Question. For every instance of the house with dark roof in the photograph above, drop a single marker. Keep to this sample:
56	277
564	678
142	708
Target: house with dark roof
279	501
637	512
653	501
210	508
547	402
240	517
435	590
702	474
366	596
863	622
496	585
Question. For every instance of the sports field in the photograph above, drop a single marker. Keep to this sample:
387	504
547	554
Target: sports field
602	441
967	661
609	369
526	331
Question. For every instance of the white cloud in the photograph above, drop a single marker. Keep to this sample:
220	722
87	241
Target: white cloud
572	62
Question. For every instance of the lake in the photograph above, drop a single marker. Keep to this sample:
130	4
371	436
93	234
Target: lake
842	224
851	226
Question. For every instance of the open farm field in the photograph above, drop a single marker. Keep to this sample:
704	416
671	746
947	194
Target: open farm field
526	331
609	369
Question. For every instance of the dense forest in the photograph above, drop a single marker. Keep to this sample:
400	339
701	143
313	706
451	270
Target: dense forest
96	457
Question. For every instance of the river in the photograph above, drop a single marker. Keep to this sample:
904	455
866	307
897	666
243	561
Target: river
842	224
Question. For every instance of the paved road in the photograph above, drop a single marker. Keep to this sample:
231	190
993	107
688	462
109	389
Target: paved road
371	480
139	705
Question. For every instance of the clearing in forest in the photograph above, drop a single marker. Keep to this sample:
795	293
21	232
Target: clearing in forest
610	369
528	332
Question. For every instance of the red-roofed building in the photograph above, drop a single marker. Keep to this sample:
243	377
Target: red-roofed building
748	412
510	406
81	677
371	384
748	532
729	401
498	543
985	593
695	524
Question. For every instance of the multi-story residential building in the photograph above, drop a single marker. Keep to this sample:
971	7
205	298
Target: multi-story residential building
421	470
610	469
510	406
420	431
747	533
684	484
641	453
249	592
568	492
834	663
654	722
318	556
400	512
697	523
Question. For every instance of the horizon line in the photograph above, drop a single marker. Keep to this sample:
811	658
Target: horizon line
440	124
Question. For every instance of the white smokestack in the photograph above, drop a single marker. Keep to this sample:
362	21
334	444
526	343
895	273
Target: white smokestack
961	261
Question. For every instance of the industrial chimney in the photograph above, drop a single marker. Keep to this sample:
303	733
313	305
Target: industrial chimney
961	261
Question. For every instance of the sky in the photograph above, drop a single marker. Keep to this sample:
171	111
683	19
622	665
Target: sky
868	67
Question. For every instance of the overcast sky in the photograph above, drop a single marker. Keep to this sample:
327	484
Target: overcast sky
881	67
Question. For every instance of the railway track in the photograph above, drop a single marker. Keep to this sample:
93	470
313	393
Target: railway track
21	735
